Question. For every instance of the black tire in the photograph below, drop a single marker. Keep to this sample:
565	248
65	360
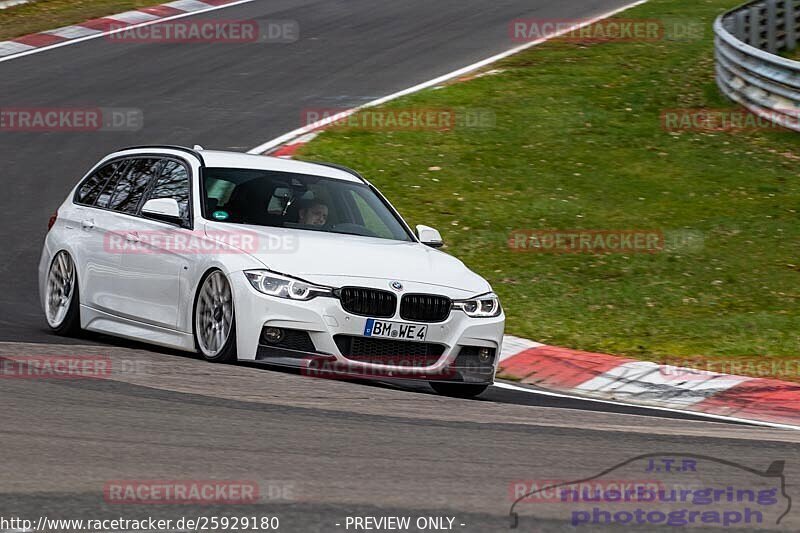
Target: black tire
71	325
458	390
228	353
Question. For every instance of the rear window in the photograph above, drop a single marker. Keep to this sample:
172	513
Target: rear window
125	184
173	183
129	189
91	188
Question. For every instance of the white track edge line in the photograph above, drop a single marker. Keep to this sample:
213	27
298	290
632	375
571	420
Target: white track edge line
118	30
511	386
260	149
5	4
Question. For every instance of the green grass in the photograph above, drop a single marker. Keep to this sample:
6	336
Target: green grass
42	15
578	144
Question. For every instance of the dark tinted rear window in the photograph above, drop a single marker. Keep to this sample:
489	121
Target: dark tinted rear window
173	183
132	184
94	184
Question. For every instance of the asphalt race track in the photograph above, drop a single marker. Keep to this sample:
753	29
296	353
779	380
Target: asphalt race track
329	448
320	449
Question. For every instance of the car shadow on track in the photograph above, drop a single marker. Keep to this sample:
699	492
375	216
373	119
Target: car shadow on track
492	395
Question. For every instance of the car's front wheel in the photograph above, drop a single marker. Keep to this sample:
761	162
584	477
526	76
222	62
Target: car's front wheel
458	390
214	320
62	303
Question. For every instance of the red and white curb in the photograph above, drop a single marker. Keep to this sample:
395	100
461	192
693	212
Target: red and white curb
106	25
288	150
635	382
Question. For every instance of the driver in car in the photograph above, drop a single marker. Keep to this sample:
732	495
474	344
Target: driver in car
313	213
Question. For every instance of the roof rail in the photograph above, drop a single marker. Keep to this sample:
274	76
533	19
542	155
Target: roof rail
340	167
169	147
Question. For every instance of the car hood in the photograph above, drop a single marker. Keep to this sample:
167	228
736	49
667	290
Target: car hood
335	259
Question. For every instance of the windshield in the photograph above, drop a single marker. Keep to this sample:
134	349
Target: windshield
298	201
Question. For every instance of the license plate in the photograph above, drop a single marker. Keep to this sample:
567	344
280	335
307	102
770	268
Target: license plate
395	330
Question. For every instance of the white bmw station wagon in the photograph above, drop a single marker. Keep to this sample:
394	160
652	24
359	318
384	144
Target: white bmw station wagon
244	257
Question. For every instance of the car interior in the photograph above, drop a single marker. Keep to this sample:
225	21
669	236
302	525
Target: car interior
270	198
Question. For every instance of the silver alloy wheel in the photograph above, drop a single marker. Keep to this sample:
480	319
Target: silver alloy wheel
60	288
214	314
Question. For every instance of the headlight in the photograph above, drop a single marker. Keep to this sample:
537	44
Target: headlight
284	287
483	306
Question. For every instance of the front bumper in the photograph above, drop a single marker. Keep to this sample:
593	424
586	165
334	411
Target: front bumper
455	343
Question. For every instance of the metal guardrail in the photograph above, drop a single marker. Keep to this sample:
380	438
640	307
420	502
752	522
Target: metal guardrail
747	40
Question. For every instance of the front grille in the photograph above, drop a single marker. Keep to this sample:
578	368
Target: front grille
388	351
425	307
368	302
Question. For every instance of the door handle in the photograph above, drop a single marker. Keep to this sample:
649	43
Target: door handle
87	223
132	236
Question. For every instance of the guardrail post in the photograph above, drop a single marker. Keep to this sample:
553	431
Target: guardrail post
772	22
740	28
790	16
754	38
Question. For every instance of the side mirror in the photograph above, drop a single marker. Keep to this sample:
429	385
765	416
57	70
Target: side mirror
429	236
162	209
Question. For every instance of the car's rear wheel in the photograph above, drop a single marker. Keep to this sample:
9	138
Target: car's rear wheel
214	320
62	303
458	390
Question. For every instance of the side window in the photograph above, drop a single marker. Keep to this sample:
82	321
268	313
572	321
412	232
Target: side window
91	188
173	183
132	184
371	219
104	198
218	192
